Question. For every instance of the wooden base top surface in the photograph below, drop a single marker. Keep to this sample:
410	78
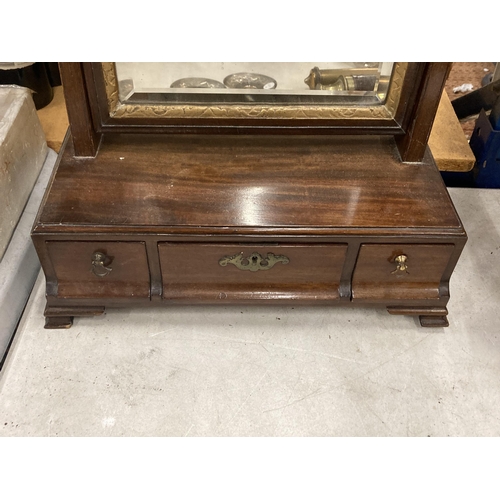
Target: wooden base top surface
198	182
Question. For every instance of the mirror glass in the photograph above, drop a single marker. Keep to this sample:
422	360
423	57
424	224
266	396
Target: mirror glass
360	84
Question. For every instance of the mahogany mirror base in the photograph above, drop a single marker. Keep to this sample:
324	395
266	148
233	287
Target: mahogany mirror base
158	220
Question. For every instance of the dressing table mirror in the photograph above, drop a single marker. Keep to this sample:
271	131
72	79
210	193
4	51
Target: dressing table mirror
248	183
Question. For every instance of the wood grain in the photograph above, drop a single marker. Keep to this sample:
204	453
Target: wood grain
72	262
374	277
192	271
84	135
413	144
164	208
179	182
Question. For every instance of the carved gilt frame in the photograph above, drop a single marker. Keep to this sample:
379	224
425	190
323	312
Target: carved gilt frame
124	111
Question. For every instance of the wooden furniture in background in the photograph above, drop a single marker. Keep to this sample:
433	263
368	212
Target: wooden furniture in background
54	120
447	142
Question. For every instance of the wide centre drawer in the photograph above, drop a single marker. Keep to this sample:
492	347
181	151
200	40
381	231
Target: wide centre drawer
214	272
400	271
89	269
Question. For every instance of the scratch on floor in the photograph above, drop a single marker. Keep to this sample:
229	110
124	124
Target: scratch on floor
350	381
386	361
459	416
279	346
487	337
248	397
320	353
293	402
374	413
353	404
189	430
163	331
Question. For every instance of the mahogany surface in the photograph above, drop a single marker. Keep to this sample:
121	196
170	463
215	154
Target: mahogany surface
85	137
192	271
161	201
413	143
183	182
128	261
165	209
375	277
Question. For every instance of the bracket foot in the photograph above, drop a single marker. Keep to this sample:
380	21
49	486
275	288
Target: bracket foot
433	321
428	316
62	317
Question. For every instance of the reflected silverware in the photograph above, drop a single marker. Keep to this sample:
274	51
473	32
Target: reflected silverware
197	83
250	81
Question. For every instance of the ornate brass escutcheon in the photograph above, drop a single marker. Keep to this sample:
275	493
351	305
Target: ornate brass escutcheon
255	262
98	267
400	261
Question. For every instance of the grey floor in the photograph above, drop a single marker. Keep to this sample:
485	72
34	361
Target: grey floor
202	371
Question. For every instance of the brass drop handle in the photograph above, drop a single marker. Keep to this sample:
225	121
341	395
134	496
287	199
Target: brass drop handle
98	267
401	266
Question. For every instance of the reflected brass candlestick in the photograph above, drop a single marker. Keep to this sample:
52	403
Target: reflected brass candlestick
342	79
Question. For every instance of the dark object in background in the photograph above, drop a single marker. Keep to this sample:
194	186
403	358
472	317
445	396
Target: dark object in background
39	77
485	144
53	73
484	141
472	103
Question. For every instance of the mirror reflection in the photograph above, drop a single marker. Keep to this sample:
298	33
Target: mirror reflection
286	82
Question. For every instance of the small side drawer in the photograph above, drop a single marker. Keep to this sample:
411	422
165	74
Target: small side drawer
392	272
215	272
88	269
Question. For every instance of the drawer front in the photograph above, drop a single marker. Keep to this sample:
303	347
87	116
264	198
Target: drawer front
211	272
386	272
100	269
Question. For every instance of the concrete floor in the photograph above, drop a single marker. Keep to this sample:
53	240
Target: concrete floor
203	371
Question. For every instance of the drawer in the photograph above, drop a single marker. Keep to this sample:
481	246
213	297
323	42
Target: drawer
88	269
211	272
387	272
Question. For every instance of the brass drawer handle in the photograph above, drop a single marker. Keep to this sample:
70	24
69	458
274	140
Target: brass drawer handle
400	261
98	267
254	262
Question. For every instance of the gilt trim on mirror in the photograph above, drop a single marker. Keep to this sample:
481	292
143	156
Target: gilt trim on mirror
383	111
